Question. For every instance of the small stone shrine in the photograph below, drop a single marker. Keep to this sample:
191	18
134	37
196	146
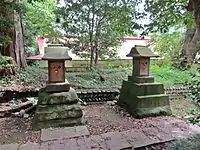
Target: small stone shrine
58	102
140	96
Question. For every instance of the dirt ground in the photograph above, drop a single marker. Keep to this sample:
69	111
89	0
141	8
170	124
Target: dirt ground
100	118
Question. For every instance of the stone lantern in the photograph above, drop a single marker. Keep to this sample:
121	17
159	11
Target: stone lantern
57	102
140	95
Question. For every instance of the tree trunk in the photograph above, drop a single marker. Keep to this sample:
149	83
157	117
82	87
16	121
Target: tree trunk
96	54
15	48
91	56
191	48
19	42
188	37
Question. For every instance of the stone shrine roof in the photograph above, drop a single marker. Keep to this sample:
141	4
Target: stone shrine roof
141	51
56	53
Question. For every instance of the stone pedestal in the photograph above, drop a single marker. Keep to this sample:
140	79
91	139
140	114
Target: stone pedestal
57	109
141	97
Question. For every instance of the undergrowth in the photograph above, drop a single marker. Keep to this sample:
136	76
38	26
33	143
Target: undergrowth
33	77
192	143
112	78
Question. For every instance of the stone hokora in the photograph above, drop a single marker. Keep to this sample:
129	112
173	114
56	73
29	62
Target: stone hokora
140	95
58	102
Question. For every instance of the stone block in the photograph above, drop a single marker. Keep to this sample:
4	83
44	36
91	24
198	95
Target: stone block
140	89
57	123
29	146
115	141
144	99
151	101
50	112
65	144
58	98
141	79
63	133
137	138
9	147
56	87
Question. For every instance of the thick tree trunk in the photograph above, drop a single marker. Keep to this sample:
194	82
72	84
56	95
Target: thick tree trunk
19	43
15	48
188	37
191	48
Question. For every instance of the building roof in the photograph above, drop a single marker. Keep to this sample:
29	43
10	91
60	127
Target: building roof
141	51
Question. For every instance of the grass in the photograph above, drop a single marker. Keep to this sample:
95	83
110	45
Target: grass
192	143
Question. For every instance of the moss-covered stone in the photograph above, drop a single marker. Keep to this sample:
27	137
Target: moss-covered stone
140	89
144	99
142	79
56	87
57	110
57	123
58	98
50	112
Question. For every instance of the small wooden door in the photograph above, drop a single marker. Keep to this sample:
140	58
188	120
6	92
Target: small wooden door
144	66
56	71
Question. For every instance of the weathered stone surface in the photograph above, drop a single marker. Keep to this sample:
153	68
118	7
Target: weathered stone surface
57	123
149	101
29	146
141	89
56	87
66	144
115	141
157	134
9	147
137	138
144	99
63	133
49	112
58	98
142	79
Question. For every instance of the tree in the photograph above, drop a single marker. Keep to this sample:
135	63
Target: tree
98	24
39	19
165	14
11	33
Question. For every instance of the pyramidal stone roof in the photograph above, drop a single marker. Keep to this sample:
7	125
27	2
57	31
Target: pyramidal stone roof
141	51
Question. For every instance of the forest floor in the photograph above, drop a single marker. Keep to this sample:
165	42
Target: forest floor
99	118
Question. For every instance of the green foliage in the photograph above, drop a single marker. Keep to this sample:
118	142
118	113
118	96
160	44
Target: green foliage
166	14
169	46
5	62
169	76
98	24
6	10
91	80
39	19
32	77
192	143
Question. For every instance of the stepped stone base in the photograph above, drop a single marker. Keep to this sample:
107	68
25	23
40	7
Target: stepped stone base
57	110
144	99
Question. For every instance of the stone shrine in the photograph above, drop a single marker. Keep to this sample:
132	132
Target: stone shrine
140	96
58	102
